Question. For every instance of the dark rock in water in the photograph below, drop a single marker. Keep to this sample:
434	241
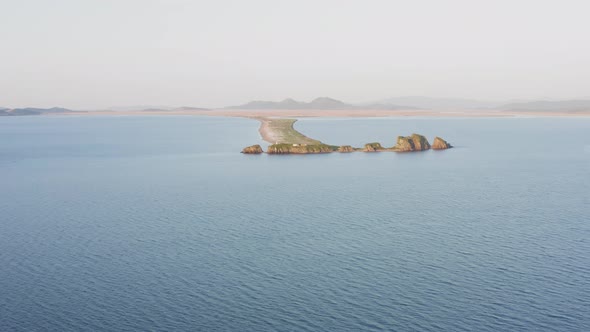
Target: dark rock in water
372	147
254	149
440	144
345	148
411	143
300	148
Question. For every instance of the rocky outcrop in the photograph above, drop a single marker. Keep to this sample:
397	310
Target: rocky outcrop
404	144
414	142
300	148
440	144
254	149
420	142
345	148
372	147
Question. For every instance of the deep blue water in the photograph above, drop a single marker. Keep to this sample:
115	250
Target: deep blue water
158	223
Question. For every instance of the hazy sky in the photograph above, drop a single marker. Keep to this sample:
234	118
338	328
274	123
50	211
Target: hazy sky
100	53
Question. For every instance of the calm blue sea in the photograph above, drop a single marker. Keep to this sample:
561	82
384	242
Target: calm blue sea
158	223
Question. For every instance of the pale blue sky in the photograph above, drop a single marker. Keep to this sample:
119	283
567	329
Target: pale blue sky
99	53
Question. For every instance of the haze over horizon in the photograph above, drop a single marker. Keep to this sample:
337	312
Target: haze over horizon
100	54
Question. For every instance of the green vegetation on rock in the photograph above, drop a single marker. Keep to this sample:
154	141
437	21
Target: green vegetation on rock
300	148
287	133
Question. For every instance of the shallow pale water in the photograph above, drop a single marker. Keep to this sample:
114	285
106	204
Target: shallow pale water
158	223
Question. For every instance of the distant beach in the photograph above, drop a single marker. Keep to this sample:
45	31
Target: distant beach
357	113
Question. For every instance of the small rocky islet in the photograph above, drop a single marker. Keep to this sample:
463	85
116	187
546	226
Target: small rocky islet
440	144
412	143
253	149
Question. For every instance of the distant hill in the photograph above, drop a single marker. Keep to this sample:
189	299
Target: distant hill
449	104
325	103
549	106
429	103
40	111
291	104
190	108
32	111
322	103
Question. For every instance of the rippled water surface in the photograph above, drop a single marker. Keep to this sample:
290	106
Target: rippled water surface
158	223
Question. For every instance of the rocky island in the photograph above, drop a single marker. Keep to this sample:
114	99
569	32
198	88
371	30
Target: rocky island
440	144
286	140
253	149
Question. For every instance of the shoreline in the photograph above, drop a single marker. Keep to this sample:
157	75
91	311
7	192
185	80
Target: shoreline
256	114
265	132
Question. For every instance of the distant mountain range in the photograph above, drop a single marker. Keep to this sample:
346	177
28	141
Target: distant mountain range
322	103
325	103
549	106
429	103
457	104
421	103
40	111
31	111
